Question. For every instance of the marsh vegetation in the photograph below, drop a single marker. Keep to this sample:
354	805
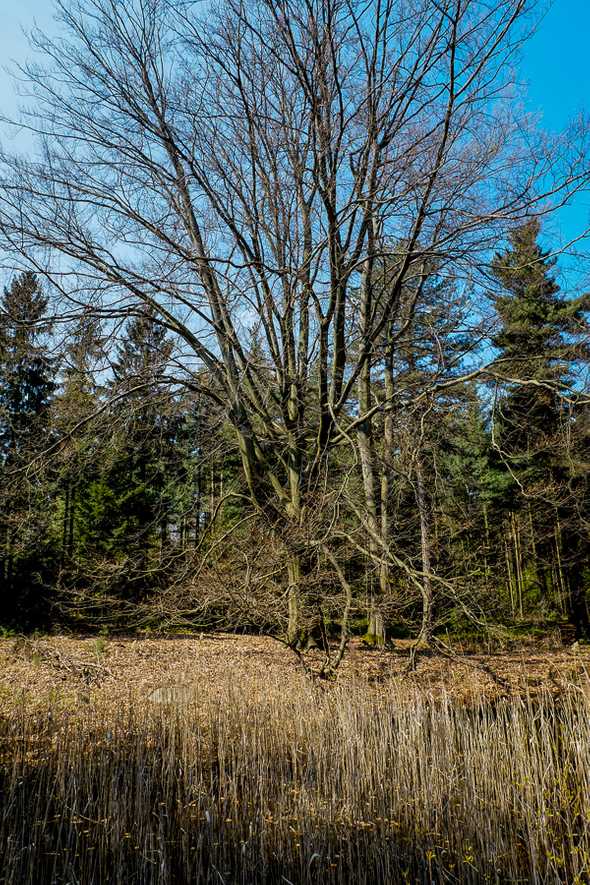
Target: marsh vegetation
298	783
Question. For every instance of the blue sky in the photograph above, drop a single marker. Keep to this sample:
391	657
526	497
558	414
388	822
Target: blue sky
555	63
555	66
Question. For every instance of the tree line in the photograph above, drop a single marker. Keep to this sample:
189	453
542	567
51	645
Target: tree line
296	358
125	502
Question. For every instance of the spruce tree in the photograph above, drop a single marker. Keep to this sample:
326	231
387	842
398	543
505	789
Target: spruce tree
26	369
125	514
540	341
26	392
429	351
78	455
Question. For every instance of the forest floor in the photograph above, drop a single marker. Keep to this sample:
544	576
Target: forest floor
65	671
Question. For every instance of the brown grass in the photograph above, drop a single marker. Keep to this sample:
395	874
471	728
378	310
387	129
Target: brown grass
75	671
266	777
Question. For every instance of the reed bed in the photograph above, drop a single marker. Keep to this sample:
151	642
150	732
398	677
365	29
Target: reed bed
298	785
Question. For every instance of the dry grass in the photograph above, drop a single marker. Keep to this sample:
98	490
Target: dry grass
70	671
265	777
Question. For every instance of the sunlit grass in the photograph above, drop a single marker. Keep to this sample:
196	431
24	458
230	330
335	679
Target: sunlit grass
301	785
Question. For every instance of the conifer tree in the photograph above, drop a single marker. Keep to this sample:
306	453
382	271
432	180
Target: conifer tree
542	337
26	382
77	400
538	343
125	513
429	349
26	391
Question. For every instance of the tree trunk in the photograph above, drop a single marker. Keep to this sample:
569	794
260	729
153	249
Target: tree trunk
386	456
71	522
294	635
375	635
198	508
573	560
578	608
426	547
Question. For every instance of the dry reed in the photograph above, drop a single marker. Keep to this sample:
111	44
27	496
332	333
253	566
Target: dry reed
300	785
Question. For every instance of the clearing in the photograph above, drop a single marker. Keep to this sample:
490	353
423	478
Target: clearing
41	671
